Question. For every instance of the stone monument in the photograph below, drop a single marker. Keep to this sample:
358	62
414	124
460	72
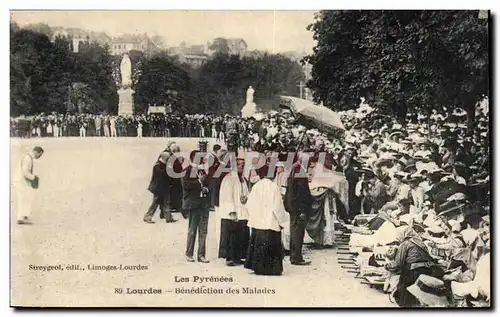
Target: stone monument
126	101
250	108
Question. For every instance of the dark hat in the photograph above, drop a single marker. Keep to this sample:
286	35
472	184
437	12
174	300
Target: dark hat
415	178
459	164
367	140
367	171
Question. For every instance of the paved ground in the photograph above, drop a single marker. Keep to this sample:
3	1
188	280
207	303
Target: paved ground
90	207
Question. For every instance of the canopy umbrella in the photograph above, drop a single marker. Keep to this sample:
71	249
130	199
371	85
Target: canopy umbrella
312	115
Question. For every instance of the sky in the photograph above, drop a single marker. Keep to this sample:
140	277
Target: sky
193	27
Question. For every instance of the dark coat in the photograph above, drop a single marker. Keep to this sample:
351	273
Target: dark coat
191	191
298	198
176	186
159	183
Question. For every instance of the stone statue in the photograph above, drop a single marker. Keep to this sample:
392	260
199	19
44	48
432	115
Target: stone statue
250	93
126	71
250	108
125	92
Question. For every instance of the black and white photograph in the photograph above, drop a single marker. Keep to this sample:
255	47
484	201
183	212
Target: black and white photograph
250	158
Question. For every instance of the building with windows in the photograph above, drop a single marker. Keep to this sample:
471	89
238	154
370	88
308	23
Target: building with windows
237	46
77	37
128	42
194	55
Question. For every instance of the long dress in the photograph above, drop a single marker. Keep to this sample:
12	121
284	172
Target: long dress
265	253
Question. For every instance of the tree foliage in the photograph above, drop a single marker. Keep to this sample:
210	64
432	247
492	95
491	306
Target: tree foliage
220	45
400	61
222	82
48	76
161	81
43	72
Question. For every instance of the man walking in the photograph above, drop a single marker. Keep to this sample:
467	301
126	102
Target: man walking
298	202
196	203
159	186
28	186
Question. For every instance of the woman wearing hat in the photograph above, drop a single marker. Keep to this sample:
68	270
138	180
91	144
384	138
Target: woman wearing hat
375	192
416	193
349	166
412	260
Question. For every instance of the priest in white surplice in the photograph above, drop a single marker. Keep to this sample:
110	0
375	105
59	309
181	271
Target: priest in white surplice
234	233
267	217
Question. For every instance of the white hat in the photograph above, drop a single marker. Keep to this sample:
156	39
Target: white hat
457	196
430	291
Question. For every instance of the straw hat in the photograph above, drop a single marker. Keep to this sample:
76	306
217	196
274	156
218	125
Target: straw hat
366	170
416	177
395	133
453	208
429	291
457	197
385	159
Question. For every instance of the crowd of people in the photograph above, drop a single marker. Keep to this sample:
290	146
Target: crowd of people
416	198
91	125
415	195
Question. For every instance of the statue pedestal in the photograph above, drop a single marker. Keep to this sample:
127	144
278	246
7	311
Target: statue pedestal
126	101
248	110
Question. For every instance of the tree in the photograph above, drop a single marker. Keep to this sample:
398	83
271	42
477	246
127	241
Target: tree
30	53
94	67
220	45
221	83
161	81
400	61
42	28
43	73
58	70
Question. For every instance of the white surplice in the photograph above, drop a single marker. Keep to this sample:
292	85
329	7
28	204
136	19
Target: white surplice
265	207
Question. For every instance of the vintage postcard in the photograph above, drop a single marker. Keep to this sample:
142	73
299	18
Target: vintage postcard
314	159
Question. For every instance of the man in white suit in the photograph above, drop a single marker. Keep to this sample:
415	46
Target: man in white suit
27	186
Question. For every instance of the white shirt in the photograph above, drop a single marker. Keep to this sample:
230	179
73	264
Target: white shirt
481	285
265	206
271	132
231	190
27	169
460	180
358	188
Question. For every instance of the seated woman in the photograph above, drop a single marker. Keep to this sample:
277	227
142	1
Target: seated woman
412	259
267	217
